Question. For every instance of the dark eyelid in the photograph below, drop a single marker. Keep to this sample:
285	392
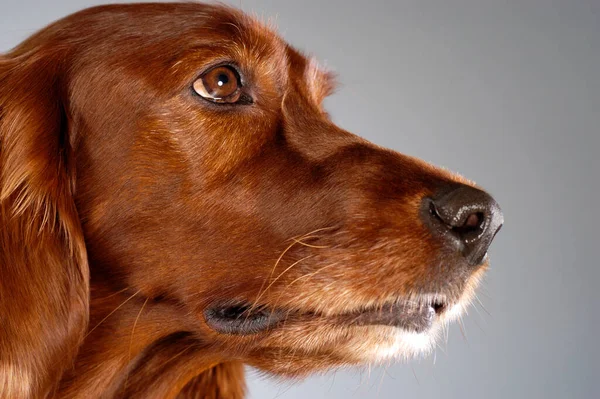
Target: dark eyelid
245	99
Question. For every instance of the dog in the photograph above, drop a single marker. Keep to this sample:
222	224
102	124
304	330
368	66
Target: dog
175	203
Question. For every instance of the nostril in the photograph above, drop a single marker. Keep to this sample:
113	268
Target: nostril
474	220
473	223
465	218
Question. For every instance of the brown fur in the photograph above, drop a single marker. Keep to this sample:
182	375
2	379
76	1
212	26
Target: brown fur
128	205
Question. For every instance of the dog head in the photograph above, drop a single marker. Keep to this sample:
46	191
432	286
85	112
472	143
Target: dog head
183	152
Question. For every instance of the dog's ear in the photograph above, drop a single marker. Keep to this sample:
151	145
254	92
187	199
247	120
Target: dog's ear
44	276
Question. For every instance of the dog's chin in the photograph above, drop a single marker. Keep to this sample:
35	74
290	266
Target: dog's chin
323	348
380	344
392	343
384	343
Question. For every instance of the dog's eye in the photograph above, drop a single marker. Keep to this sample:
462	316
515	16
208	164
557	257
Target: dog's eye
220	85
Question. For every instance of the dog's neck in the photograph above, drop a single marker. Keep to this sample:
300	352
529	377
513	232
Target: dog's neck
150	356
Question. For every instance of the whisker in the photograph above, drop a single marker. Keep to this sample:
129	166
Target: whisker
332	381
111	313
478	326
313	232
439	346
292	355
462	329
446	336
285	271
310	245
282	392
383	373
273	308
482	290
260	291
387	367
295	240
131	339
482	306
179	354
415	374
310	275
478	312
115	293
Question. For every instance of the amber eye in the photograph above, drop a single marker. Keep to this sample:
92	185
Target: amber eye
220	85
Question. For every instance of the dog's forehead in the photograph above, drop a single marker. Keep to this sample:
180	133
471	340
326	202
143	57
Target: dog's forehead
180	40
225	32
249	40
255	40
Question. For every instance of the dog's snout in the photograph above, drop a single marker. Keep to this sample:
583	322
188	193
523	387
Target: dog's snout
467	217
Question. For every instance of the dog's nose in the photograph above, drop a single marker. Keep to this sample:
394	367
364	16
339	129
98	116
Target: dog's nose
468	216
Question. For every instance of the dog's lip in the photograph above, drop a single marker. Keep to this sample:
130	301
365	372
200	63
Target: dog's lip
244	319
241	318
404	314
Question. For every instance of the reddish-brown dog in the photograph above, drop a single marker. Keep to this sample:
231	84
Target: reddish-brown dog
175	203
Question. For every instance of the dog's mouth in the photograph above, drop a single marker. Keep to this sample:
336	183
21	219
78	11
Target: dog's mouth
410	316
242	318
246	319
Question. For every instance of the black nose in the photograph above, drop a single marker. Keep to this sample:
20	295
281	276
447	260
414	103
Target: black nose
466	216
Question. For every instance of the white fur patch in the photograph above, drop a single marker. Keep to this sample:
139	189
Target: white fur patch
404	345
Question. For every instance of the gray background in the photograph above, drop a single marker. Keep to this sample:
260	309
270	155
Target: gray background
506	93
